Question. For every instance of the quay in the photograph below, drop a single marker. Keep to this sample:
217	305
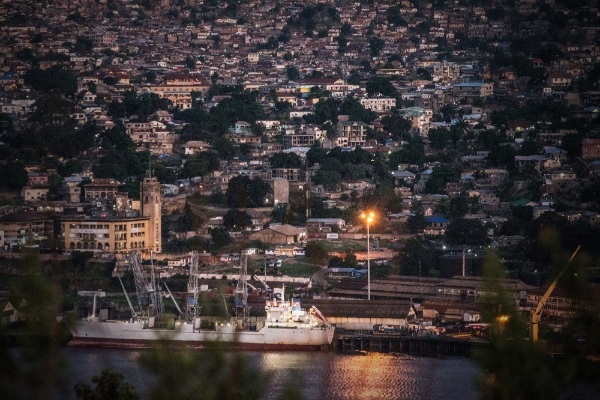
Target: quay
344	342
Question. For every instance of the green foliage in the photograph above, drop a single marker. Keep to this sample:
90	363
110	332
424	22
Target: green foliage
316	252
502	155
382	86
37	369
143	106
109	385
395	17
329	179
201	164
325	110
281	214
513	366
292	73
13	175
237	220
220	237
356	111
338	262
416	221
316	154
383	199
54	79
163	174
190	221
376	45
342	44
211	374
244	192
469	232
411	153
440	176
439	138
419	258
397	126
285	160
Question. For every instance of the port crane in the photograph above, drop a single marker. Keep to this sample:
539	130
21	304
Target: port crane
150	302
242	311
537	313
192	310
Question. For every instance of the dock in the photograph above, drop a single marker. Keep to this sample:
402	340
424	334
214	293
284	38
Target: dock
411	345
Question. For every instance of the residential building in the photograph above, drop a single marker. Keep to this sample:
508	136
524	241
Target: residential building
281	234
351	134
378	104
590	148
21	227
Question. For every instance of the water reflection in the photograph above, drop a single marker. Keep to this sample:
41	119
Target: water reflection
319	375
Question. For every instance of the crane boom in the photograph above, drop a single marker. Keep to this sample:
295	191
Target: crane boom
536	315
133	313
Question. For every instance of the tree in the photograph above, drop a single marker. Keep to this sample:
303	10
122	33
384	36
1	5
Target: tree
380	85
285	160
459	206
329	179
342	44
356	111
109	385
210	375
190	62
416	221
220	237
110	80
439	138
376	45
237	220
13	175
316	154
201	164
292	73
397	126
244	192
440	176
316	252
346	29
419	258
190	221
54	79
466	232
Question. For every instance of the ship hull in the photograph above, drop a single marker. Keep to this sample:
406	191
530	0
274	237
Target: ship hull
118	334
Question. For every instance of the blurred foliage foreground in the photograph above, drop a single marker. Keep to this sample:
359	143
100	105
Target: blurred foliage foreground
513	367
37	369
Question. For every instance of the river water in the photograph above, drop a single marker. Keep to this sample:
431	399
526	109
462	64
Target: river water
322	375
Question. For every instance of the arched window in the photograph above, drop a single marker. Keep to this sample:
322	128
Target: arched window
72	246
79	245
86	245
106	246
99	246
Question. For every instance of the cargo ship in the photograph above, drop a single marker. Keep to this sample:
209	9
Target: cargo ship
287	325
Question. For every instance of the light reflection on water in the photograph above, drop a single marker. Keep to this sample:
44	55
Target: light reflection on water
319	375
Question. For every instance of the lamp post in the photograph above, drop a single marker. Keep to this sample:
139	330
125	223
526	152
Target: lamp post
368	218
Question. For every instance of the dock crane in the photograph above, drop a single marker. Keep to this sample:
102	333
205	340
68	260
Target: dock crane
537	313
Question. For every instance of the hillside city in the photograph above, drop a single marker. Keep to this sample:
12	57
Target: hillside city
469	129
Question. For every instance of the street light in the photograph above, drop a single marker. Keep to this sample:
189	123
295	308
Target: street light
368	218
